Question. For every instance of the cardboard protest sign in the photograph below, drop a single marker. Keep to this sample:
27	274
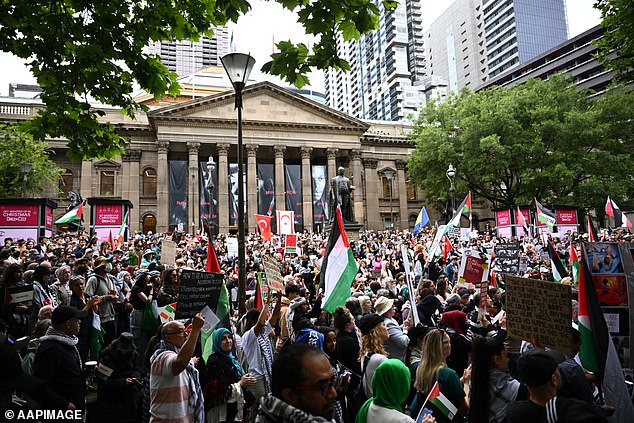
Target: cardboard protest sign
273	276
197	290
168	252
539	311
474	268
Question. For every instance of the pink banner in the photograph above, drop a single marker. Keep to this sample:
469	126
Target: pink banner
49	217
108	214
18	215
566	217
503	217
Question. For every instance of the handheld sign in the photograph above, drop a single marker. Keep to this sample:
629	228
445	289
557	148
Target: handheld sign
273	275
19	294
197	290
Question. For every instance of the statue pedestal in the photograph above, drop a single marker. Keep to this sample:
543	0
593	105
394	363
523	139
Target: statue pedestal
352	230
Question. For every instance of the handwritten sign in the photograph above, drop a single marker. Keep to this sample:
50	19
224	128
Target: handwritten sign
273	276
168	252
539	310
197	290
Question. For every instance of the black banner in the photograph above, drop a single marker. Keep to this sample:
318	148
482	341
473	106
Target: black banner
197	290
266	189
320	195
233	193
294	193
204	189
178	193
507	257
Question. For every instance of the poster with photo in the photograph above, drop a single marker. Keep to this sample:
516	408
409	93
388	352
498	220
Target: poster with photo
611	289
604	258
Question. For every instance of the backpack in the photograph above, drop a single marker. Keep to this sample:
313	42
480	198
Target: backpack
359	397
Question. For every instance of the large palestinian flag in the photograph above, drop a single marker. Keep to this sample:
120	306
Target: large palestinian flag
463	208
545	216
612	210
557	266
72	215
594	330
339	267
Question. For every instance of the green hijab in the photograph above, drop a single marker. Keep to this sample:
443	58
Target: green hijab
390	384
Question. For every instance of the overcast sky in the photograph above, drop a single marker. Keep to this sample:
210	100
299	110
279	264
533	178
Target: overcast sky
268	21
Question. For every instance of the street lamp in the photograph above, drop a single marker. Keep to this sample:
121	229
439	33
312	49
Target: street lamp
451	173
238	67
389	174
211	168
25	168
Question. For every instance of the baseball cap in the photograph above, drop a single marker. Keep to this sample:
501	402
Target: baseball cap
536	366
63	313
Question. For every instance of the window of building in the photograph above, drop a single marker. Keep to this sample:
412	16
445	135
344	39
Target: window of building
387	186
149	182
106	182
149	223
65	183
411	190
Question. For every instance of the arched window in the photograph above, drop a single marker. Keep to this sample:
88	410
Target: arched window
66	183
149	223
411	190
149	182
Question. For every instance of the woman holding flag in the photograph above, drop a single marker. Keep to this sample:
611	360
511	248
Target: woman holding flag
439	387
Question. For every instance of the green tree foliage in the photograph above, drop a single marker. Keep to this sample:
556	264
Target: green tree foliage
616	48
19	147
541	139
80	49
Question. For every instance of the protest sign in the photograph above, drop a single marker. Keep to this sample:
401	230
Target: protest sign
19	294
197	290
232	247
168	252
507	257
273	276
410	286
474	268
539	311
264	285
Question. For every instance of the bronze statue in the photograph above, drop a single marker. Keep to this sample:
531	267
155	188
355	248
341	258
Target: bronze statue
341	195
74	199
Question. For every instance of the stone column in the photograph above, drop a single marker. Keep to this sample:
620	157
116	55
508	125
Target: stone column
132	186
223	189
307	191
372	194
193	196
357	199
280	186
162	188
331	154
402	194
85	189
252	186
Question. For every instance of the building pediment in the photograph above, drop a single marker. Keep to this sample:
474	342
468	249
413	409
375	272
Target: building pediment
106	164
264	104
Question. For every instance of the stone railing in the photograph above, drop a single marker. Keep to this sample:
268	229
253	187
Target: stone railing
14	109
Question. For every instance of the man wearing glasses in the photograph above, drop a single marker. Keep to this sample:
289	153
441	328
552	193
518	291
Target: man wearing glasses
175	392
303	387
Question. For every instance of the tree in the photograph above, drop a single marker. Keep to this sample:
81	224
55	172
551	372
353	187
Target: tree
541	139
616	48
19	147
80	50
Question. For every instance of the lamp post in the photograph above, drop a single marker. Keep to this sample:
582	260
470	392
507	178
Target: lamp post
451	173
25	168
211	168
238	67
389	174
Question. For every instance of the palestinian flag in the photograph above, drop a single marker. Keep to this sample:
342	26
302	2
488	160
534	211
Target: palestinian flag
521	220
96	338
558	269
594	330
592	232
339	267
573	260
440	402
463	208
612	210
74	214
212	265
545	216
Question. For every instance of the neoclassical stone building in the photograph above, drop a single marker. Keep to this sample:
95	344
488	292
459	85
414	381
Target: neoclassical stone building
281	129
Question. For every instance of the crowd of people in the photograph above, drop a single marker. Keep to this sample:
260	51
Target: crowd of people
75	329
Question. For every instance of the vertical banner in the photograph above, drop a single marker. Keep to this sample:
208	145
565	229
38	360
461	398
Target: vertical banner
266	189
233	193
320	201
206	210
178	193
294	193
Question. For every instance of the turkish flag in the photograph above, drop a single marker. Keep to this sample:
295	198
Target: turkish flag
446	248
285	222
264	226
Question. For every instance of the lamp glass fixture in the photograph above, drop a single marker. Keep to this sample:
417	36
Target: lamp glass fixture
238	67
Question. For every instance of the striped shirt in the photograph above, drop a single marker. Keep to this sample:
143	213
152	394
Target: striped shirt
169	394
